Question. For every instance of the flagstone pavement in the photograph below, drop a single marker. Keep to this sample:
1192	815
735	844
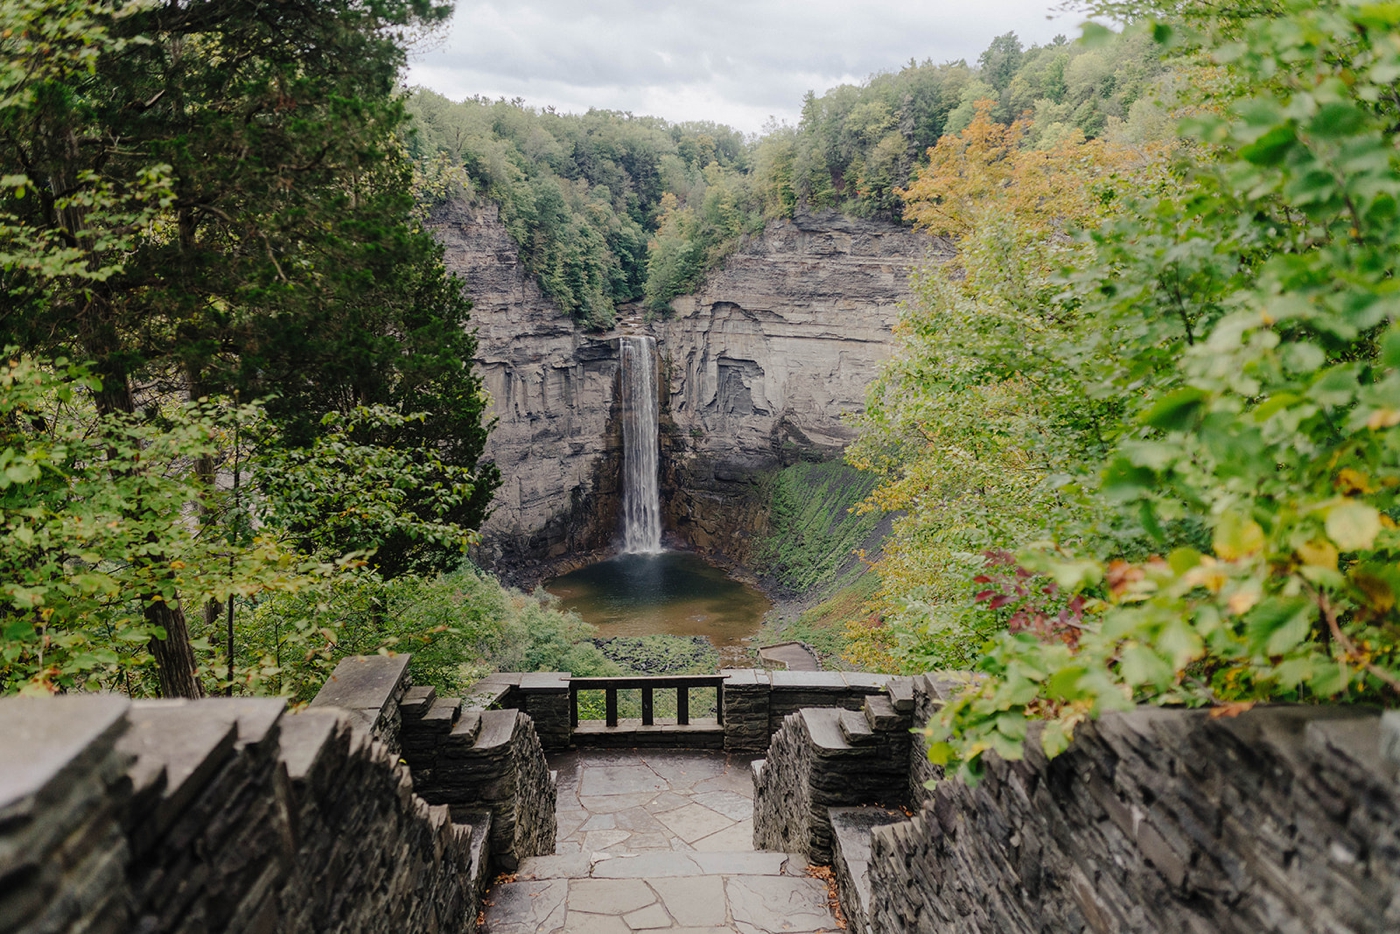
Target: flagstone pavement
657	840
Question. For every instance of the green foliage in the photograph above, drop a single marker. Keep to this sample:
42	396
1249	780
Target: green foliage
581	195
215	203
349	491
94	510
459	626
610	208
815	531
1245	316
660	654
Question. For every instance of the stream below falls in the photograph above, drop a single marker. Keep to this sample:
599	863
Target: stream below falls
672	593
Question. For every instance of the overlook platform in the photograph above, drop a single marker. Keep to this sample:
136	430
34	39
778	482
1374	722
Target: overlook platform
657	840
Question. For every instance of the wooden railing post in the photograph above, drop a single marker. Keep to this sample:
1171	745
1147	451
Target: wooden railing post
683	705
612	705
719	704
573	705
647	719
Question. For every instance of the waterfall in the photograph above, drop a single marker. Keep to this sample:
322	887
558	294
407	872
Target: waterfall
641	495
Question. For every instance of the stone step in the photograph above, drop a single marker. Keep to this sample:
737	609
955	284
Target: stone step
417	701
439	719
855	730
695	893
662	865
465	731
881	715
824	727
901	692
851	858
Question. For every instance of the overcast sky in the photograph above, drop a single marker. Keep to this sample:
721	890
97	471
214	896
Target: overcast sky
731	61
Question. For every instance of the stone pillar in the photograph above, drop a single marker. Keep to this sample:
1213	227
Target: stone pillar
545	697
746	696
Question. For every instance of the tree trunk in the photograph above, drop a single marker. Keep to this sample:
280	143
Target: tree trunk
174	654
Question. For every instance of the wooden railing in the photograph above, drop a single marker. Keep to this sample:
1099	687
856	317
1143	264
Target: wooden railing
648	685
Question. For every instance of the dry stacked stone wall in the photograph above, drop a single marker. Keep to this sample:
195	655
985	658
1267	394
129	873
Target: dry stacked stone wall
1282	819
236	815
217	815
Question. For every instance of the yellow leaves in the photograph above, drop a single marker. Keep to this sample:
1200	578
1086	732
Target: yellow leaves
1351	482
1318	553
1237	536
177	565
1383	418
1230	710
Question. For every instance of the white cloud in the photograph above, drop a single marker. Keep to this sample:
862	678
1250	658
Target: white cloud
732	61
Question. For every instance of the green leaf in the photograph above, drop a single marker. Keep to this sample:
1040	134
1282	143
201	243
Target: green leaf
1237	536
1176	411
1095	35
1140	665
1278	624
1337	120
1271	148
1353	525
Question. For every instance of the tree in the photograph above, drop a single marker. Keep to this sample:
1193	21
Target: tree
1267	412
212	199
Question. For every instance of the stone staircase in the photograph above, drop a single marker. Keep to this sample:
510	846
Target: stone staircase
657	840
486	765
831	776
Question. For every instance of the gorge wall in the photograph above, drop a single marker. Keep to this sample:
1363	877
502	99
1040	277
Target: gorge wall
768	358
758	369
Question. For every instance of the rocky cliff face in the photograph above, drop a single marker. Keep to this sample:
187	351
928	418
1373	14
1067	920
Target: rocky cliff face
768	358
553	387
758	369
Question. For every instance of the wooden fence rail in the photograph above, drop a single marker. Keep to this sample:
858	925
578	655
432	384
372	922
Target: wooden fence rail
648	685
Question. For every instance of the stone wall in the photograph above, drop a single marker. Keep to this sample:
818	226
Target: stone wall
1283	819
217	815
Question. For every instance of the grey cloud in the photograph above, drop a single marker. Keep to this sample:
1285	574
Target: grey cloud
741	59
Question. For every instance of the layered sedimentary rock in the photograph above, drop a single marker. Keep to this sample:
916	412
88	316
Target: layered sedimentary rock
770	357
758	368
553	388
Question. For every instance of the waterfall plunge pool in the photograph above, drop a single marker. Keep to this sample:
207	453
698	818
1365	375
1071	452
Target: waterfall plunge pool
672	593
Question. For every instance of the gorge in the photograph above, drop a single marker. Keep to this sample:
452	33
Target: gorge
755	370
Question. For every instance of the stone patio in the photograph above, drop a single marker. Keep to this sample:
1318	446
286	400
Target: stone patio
654	840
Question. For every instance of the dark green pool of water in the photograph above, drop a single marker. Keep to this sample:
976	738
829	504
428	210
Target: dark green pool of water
673	593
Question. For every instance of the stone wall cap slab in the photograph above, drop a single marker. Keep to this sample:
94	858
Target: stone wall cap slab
255	716
743	677
545	681
824	726
417	700
304	735
867	679
511	678
485	694
44	740
497	728
185	742
364	682
808	680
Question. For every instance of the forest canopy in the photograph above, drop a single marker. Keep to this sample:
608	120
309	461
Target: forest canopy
609	208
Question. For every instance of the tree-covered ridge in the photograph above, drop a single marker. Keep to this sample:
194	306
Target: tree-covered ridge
610	208
581	194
